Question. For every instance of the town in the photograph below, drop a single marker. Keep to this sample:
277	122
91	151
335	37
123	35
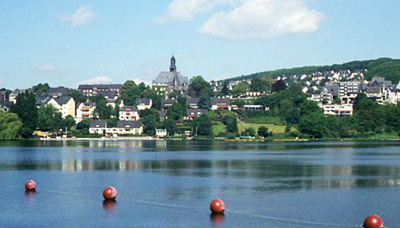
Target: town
174	106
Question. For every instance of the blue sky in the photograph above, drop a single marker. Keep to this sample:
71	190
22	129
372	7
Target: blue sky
65	42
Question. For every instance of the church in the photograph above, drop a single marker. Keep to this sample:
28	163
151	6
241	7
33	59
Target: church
169	81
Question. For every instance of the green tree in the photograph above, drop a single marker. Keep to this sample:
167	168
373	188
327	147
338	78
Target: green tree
202	125
26	109
40	88
150	119
231	123
10	125
129	92
279	85
170	126
241	88
225	90
261	84
175	112
103	111
83	127
248	132
263	132
49	118
313	124
199	86
68	122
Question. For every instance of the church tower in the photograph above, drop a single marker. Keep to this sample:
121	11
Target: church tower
172	67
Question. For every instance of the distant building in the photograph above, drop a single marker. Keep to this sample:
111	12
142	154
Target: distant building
65	105
128	128
98	127
193	113
338	110
58	91
193	103
161	132
13	95
3	96
144	103
220	103
93	89
166	103
169	81
254	108
85	110
129	113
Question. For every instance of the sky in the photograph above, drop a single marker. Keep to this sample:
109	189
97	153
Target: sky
67	43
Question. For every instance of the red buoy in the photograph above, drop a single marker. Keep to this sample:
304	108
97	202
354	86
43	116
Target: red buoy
30	185
373	221
217	206
110	193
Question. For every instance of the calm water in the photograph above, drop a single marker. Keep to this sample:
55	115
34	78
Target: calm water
170	184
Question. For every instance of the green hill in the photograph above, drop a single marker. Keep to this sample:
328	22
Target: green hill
383	67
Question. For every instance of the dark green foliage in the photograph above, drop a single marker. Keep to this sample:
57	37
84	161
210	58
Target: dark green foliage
49	119
202	125
40	88
83	127
175	112
263	132
130	92
26	109
103	111
225	90
248	132
261	84
231	123
150	120
10	126
199	86
169	124
313	124
279	85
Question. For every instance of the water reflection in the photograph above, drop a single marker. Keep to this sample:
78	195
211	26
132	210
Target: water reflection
30	196
109	206
217	220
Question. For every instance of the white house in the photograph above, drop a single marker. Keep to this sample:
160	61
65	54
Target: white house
338	110
65	105
98	127
85	110
129	113
144	103
161	132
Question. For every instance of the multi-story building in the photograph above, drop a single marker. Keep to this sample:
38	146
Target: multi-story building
93	89
348	91
169	81
65	105
85	110
129	113
338	110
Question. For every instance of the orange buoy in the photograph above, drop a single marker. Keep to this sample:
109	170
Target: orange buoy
373	221
30	185
110	193
217	206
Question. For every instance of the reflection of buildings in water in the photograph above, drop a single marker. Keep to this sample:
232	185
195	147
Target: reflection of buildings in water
161	143
115	143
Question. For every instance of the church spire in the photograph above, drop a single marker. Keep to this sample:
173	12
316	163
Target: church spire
172	67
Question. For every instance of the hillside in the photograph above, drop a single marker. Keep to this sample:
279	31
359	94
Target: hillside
384	67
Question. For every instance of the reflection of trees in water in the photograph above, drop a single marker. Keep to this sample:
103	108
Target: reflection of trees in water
273	173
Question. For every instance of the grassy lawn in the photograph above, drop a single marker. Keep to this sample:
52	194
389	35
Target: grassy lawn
278	129
217	128
266	120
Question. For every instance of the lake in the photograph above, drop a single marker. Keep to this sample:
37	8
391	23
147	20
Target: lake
171	183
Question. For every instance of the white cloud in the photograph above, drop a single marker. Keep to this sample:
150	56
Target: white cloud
97	80
263	19
82	16
47	68
186	10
